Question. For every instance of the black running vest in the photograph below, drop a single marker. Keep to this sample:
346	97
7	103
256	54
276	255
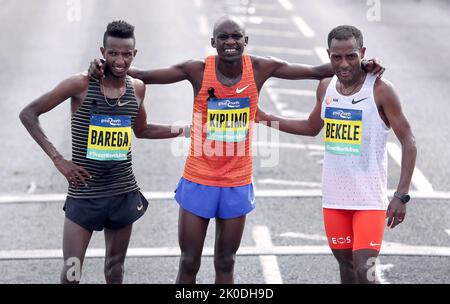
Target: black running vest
101	142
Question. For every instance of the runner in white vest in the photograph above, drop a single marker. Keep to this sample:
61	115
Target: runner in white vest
356	111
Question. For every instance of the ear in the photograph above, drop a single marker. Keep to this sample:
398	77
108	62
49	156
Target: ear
362	52
328	52
213	42
246	40
135	52
102	50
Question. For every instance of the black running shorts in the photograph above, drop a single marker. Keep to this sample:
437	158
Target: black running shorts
113	212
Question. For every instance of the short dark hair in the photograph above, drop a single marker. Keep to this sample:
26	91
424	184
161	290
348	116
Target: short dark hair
118	29
344	32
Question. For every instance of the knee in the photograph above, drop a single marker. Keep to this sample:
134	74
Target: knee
189	263
114	270
224	263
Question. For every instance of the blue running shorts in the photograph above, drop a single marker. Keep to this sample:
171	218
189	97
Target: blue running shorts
210	202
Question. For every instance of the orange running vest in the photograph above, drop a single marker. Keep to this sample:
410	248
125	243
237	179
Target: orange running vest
221	133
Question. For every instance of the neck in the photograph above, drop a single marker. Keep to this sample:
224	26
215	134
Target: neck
112	81
230	69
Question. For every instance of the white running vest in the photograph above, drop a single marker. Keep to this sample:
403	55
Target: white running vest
354	173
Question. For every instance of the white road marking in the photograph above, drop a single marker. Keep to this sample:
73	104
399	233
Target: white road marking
286	4
448	232
288	183
241	10
303	27
279	50
273	33
203	26
418	179
269	263
262	19
265	6
294	114
321	52
31	187
297	235
198	4
209	251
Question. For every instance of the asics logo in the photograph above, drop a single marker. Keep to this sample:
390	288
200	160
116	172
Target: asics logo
239	91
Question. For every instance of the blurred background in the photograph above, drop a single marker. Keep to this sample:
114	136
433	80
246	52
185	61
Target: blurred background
46	41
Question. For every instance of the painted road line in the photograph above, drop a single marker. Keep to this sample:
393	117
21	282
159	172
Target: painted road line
303	27
448	232
294	114
269	263
203	26
418	179
286	4
279	50
321	52
265	6
262	19
272	33
209	251
282	182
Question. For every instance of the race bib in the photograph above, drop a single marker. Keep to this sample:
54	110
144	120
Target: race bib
228	119
343	131
109	137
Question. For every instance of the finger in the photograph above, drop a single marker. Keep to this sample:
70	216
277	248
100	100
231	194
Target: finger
391	220
80	177
85	172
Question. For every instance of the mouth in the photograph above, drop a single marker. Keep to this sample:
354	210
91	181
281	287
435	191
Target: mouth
345	73
231	51
119	70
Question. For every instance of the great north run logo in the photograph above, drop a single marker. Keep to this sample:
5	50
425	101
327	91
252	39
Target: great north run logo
229	103
111	121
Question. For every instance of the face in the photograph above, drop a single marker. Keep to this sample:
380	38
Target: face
229	41
118	54
345	57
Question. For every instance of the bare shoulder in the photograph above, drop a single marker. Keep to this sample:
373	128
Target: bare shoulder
75	84
384	90
322	87
139	87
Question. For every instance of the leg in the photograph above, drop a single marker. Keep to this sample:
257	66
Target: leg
365	266
368	227
75	242
339	229
345	260
191	236
116	242
228	238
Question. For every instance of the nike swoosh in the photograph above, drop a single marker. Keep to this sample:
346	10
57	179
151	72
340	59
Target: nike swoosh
373	244
356	101
121	104
239	91
140	207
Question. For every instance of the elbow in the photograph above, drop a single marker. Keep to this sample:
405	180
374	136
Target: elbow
25	115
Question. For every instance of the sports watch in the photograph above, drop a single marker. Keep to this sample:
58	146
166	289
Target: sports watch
404	197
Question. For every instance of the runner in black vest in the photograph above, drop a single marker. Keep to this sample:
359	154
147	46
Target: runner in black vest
103	193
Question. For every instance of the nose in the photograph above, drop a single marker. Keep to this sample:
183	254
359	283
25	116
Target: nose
344	64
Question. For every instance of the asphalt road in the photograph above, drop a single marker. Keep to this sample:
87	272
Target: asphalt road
47	41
